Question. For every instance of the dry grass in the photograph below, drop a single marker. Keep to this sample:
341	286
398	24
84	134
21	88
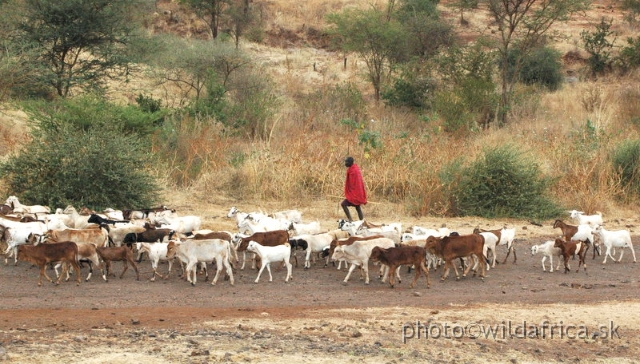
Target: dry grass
303	157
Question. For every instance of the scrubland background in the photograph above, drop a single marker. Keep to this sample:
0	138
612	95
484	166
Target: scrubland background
570	133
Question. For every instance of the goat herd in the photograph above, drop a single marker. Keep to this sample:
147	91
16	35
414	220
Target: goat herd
68	238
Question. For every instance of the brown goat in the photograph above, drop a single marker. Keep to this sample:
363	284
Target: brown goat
568	249
460	246
118	253
266	238
577	233
394	257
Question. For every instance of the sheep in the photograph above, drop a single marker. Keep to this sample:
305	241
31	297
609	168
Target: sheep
615	239
548	250
271	254
580	218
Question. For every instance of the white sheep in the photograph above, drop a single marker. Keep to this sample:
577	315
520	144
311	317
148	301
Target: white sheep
271	254
548	250
615	239
581	218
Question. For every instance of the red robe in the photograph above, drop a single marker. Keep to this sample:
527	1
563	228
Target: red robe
354	186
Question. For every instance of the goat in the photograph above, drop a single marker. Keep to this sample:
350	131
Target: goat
580	218
548	250
271	254
568	249
118	253
615	239
583	233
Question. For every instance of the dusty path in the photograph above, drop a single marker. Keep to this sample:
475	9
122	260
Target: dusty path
316	319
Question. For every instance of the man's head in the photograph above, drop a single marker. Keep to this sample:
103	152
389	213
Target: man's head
348	162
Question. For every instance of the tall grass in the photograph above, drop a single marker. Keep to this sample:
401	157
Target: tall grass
412	167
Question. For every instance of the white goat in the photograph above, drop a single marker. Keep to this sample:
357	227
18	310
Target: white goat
615	239
548	250
33	209
306	228
490	243
290	215
156	252
271	254
580	218
251	226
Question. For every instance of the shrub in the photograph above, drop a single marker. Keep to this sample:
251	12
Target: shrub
98	168
542	67
629	57
503	183
410	91
599	46
626	162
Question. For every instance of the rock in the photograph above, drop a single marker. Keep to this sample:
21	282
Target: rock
417	294
356	333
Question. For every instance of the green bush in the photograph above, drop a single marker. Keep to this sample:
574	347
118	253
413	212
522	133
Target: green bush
409	91
542	67
84	152
98	168
92	111
626	162
503	183
629	58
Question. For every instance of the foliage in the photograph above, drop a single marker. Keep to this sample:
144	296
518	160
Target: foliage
503	182
426	32
77	43
373	37
87	112
542	66
524	24
211	11
97	167
468	97
599	47
410	89
463	5
253	102
629	57
626	163
369	139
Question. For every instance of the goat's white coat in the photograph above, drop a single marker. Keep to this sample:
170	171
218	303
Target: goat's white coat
548	251
615	239
271	254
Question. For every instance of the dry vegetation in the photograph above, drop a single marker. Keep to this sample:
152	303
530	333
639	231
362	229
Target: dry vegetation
307	142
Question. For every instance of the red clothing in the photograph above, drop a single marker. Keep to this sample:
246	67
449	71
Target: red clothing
354	186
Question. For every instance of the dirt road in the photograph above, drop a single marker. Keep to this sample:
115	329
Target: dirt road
316	319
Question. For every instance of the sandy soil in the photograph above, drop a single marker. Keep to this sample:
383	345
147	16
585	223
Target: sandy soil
317	319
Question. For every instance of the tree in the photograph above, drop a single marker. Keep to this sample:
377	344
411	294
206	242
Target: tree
210	11
373	37
79	43
599	47
524	24
241	18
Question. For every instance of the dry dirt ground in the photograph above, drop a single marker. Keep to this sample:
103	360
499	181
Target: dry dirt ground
317	319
